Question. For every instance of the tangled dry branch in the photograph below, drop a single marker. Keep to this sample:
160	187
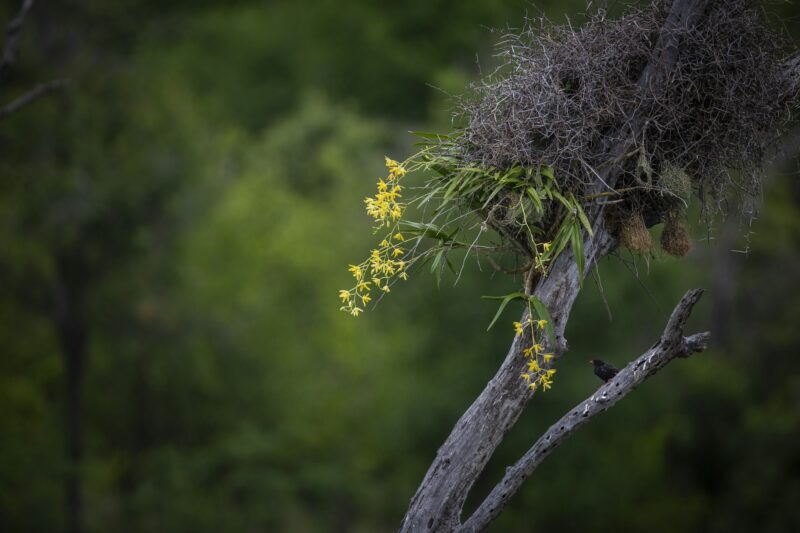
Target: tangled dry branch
565	96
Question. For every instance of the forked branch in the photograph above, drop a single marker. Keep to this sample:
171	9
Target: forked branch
8	59
13	31
672	344
31	96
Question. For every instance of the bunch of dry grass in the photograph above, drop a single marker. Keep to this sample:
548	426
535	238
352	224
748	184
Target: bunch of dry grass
675	238
565	95
633	234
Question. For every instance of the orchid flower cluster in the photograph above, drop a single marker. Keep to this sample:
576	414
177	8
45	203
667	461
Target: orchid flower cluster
538	373
386	262
535	190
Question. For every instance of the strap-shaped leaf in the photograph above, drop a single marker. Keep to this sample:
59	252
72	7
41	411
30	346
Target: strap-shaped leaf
543	313
435	270
537	201
496	190
560	197
433	136
576	240
505	300
582	217
428	230
561	239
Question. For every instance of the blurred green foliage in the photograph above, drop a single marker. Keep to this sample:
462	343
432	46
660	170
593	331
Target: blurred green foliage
199	186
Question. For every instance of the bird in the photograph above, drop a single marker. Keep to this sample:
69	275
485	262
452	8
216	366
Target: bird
603	370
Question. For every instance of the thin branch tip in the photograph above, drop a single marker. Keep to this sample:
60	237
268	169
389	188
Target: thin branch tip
673	332
695	343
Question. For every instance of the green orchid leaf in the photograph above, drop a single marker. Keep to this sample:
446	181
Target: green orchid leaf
543	313
505	300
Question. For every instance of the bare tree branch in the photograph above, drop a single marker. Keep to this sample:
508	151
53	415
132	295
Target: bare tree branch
9	58
38	91
13	31
671	345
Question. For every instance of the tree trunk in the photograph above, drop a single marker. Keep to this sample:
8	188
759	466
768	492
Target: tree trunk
72	334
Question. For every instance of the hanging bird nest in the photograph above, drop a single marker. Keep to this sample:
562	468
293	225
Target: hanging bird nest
633	234
675	238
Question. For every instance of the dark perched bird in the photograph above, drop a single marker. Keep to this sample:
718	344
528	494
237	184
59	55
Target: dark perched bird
603	370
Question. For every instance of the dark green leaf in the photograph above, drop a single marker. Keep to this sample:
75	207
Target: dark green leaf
428	230
427	135
577	249
534	196
582	217
505	299
543	313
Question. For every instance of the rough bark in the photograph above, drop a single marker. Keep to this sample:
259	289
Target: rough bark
672	344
